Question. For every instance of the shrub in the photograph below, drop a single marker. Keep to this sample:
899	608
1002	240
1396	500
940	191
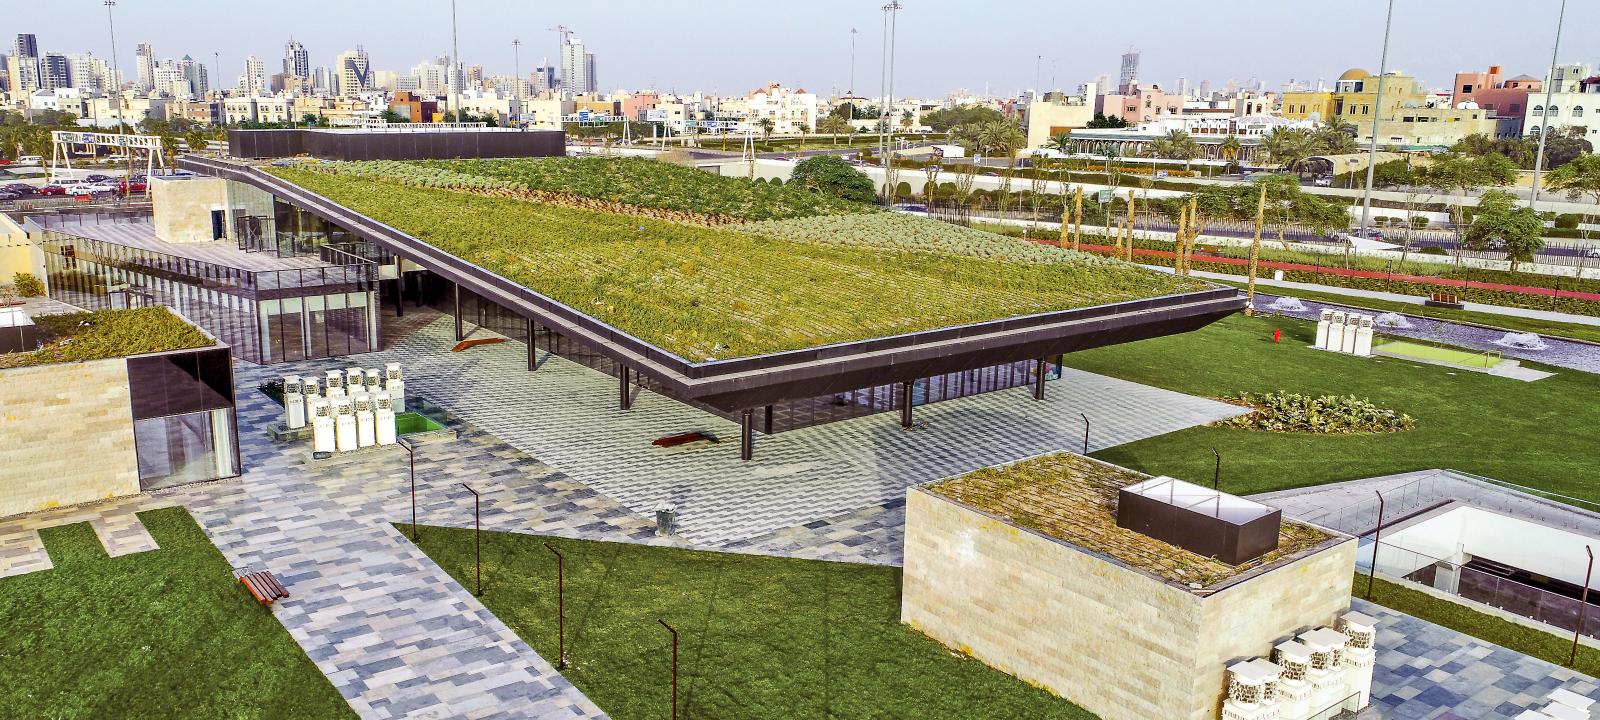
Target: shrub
27	285
902	189
1323	415
1567	221
1419	221
831	175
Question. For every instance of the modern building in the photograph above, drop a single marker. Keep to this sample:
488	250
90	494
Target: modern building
1056	114
577	68
353	72
145	62
119	424
1570	101
413	108
1136	103
1130	72
296	61
55	71
254	81
24	64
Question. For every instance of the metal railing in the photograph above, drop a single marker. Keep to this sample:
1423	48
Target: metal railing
1359	518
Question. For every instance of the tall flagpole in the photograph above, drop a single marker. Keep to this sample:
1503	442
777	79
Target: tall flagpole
1544	119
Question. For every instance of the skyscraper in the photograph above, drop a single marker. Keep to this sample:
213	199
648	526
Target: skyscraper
255	77
296	61
352	71
195	74
146	67
25	64
1130	71
577	67
544	77
55	71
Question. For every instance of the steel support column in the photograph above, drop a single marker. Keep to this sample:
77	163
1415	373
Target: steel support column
623	382
905	404
533	354
747	434
1038	379
400	296
766	425
457	300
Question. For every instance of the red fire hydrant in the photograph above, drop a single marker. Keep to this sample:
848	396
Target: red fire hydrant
1277	335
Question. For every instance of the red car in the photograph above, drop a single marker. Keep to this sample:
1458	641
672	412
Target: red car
135	187
52	190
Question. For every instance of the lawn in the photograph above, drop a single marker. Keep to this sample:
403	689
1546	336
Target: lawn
1436	353
1538	434
160	634
760	637
1461	618
714	293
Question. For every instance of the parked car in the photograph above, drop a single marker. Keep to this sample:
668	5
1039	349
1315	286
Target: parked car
97	178
1593	252
30	160
132	187
52	190
1322	181
20	189
90	188
8	196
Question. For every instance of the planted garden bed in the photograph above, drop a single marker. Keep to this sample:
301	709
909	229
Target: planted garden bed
79	337
711	293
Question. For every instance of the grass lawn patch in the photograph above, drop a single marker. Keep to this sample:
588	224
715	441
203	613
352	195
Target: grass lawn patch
1460	618
102	334
162	634
1538	434
1436	353
759	637
712	293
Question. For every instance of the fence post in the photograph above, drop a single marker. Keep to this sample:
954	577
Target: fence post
1377	534
477	534
561	608
1583	606
674	666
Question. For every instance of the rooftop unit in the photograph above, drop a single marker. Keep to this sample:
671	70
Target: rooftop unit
1203	521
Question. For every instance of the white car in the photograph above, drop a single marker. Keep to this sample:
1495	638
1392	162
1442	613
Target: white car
90	188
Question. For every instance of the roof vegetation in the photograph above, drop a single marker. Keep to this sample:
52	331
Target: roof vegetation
102	334
1074	498
708	293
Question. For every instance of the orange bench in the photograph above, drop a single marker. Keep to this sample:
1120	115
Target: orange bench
263	586
465	344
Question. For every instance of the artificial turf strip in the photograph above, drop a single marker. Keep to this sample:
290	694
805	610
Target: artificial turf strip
760	637
1539	434
1438	354
162	634
1528	641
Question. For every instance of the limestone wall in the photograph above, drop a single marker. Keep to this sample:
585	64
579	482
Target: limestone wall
67	434
1123	644
182	207
17	253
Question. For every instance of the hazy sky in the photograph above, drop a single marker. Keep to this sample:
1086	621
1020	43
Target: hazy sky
942	45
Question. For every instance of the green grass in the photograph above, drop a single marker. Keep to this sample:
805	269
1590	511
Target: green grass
705	292
407	423
1538	434
1553	328
160	634
760	637
77	337
1486	627
1436	353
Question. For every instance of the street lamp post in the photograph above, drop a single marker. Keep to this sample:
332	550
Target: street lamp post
516	71
455	64
411	450
1544	119
1377	112
477	534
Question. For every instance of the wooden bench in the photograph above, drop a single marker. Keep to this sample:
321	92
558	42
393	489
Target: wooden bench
263	586
1208	249
466	344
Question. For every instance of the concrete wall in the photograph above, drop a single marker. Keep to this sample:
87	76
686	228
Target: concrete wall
1123	644
17	254
68	435
183	207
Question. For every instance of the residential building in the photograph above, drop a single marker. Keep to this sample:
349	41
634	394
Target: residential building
430	75
55	71
352	72
145	62
385	80
413	108
790	110
547	109
208	112
170	81
1571	101
544	77
1406	117
1056	114
24	65
577	68
1138	103
256	109
1506	100
1313	105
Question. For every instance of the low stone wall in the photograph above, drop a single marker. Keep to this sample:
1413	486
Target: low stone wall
66	435
1120	642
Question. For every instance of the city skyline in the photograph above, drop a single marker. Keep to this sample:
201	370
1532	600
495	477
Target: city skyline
810	47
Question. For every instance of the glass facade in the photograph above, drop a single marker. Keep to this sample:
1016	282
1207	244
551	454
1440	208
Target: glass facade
179	449
266	316
791	414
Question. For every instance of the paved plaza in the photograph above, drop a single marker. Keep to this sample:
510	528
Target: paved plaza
399	638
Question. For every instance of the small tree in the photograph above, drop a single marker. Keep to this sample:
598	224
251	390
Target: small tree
1499	219
831	175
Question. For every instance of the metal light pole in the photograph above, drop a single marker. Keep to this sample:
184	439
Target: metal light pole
894	7
883	94
1544	120
674	666
116	73
1085	430
852	90
455	65
1377	112
516	71
412	451
1583	603
561	607
477	534
1377	534
1038	62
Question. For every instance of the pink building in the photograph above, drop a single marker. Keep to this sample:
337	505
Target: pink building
1502	98
1140	103
634	105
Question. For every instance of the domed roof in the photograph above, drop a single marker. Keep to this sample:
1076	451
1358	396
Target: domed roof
1355	74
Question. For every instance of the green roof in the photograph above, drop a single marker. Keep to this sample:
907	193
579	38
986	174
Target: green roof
705	290
103	334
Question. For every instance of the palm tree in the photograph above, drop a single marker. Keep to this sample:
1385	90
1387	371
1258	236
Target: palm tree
833	125
766	126
1230	148
1002	137
1287	146
1062	143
